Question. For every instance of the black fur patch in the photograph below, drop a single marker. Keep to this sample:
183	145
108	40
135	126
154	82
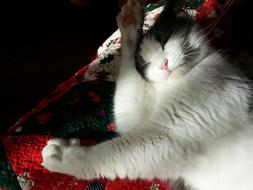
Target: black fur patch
167	24
141	65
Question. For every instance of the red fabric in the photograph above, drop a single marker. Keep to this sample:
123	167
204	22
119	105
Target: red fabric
137	185
24	152
207	8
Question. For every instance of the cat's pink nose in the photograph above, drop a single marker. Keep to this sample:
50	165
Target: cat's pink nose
164	65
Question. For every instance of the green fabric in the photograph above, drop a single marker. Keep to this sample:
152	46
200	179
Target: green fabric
7	177
77	113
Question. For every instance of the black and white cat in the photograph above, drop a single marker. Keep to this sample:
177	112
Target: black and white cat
181	109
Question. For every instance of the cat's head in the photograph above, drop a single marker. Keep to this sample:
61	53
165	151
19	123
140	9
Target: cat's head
171	49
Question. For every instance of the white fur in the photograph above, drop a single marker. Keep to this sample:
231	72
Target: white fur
194	125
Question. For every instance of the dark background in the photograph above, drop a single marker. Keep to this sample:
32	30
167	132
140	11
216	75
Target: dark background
44	42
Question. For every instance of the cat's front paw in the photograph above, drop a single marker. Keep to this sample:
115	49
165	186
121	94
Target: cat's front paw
64	156
130	20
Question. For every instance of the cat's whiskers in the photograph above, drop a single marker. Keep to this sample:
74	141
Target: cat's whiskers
193	53
186	49
177	56
186	54
213	24
181	34
226	8
189	49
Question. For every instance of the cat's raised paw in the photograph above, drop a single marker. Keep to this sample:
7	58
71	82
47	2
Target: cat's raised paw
132	13
130	19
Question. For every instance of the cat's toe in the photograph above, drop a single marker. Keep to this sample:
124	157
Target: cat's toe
57	141
54	148
52	151
125	17
137	11
52	154
74	142
58	154
51	158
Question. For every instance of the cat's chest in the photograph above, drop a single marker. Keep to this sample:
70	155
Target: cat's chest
165	93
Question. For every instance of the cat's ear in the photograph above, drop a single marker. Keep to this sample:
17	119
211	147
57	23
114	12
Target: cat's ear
169	8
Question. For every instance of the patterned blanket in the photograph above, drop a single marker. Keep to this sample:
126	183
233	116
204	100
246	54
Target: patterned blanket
81	107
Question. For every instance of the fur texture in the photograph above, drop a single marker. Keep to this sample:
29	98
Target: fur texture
181	109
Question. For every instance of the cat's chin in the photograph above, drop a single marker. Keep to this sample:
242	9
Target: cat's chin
170	76
167	75
174	75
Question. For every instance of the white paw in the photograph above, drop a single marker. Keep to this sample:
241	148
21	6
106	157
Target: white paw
130	20
64	156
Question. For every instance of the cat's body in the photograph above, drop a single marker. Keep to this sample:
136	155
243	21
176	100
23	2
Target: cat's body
181	109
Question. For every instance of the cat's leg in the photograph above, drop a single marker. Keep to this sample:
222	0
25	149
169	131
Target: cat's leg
147	154
130	92
155	151
130	22
131	156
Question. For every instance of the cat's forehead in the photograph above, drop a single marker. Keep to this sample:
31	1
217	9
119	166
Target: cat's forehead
172	44
151	48
179	28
